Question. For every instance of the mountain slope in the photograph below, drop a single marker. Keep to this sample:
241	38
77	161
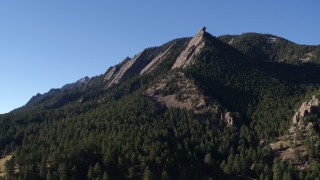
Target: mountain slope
267	47
142	63
248	86
193	108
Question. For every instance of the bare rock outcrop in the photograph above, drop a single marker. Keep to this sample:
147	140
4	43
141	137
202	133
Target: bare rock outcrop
156	61
227	119
288	145
81	82
305	109
194	47
308	57
177	91
128	67
113	70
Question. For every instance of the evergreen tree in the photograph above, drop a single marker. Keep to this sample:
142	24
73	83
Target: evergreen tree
261	177
43	168
165	175
277	174
236	164
49	175
90	173
75	173
97	170
64	177
147	174
131	172
9	168
63	170
105	176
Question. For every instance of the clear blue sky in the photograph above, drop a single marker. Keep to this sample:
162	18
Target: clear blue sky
45	44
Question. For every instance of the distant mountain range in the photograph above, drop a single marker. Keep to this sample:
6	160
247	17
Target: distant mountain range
203	107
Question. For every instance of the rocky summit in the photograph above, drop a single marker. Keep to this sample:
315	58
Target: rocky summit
194	47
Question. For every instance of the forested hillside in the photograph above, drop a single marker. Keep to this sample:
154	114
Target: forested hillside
121	125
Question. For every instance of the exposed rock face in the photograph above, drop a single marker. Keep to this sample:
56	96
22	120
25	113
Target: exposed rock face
272	40
309	57
147	60
113	70
177	91
156	61
287	145
231	41
228	119
83	80
194	47
129	67
110	73
80	82
305	109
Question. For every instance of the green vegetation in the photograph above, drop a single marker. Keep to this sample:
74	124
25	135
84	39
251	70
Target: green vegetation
267	47
264	93
119	133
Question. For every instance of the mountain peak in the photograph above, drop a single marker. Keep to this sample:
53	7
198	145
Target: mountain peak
194	47
203	29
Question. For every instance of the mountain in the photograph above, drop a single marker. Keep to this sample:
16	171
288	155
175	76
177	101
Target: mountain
142	63
267	47
202	107
194	47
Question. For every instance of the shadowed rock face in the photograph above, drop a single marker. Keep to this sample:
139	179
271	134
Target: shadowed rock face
194	47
